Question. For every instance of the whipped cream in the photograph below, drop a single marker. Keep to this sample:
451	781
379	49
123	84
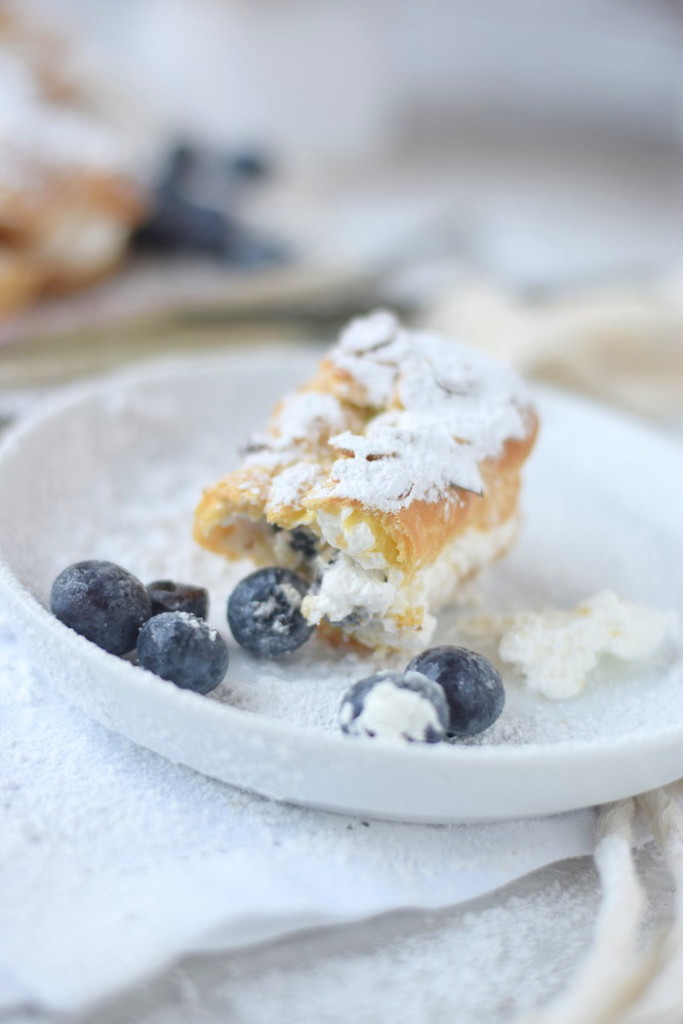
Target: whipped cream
554	651
347	589
360	588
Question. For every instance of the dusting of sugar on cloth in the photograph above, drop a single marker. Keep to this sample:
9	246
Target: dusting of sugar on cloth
114	862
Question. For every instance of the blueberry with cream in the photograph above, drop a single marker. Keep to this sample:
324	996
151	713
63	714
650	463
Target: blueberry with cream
392	705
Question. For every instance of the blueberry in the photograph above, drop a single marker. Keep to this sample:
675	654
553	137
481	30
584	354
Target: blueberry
393	705
304	542
103	602
183	649
169	596
178	223
264	612
473	687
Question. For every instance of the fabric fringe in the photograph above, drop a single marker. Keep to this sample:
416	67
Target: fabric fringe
619	982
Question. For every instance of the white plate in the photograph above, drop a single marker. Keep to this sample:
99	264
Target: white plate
113	470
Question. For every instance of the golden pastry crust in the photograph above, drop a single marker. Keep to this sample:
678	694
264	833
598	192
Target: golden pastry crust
19	281
70	230
231	515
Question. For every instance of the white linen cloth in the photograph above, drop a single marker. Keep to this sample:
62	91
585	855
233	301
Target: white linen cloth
114	862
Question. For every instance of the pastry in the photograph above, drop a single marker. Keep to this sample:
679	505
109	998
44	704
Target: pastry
388	479
19	280
67	199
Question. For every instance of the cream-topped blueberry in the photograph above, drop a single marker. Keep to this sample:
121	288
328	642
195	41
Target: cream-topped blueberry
392	705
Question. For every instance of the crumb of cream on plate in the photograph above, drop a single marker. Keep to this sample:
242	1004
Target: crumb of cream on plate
555	650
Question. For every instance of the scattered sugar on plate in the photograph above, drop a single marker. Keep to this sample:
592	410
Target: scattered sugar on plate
140	515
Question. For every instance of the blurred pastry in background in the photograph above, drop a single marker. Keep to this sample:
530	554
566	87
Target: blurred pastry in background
68	197
77	192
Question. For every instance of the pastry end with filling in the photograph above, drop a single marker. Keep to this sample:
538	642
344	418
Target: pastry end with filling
388	479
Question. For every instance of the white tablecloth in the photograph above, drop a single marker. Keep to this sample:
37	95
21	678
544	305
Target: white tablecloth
116	862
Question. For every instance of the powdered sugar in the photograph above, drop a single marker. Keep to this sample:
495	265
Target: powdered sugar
402	457
138	860
437	409
369	350
488	961
282	593
302	419
195	623
308	415
450	408
289	485
141	519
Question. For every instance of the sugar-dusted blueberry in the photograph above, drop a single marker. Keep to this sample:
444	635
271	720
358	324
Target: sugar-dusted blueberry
183	649
473	687
103	602
169	596
264	612
395	705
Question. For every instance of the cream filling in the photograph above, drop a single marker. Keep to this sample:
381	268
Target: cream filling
347	589
285	555
369	601
357	589
357	539
556	650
